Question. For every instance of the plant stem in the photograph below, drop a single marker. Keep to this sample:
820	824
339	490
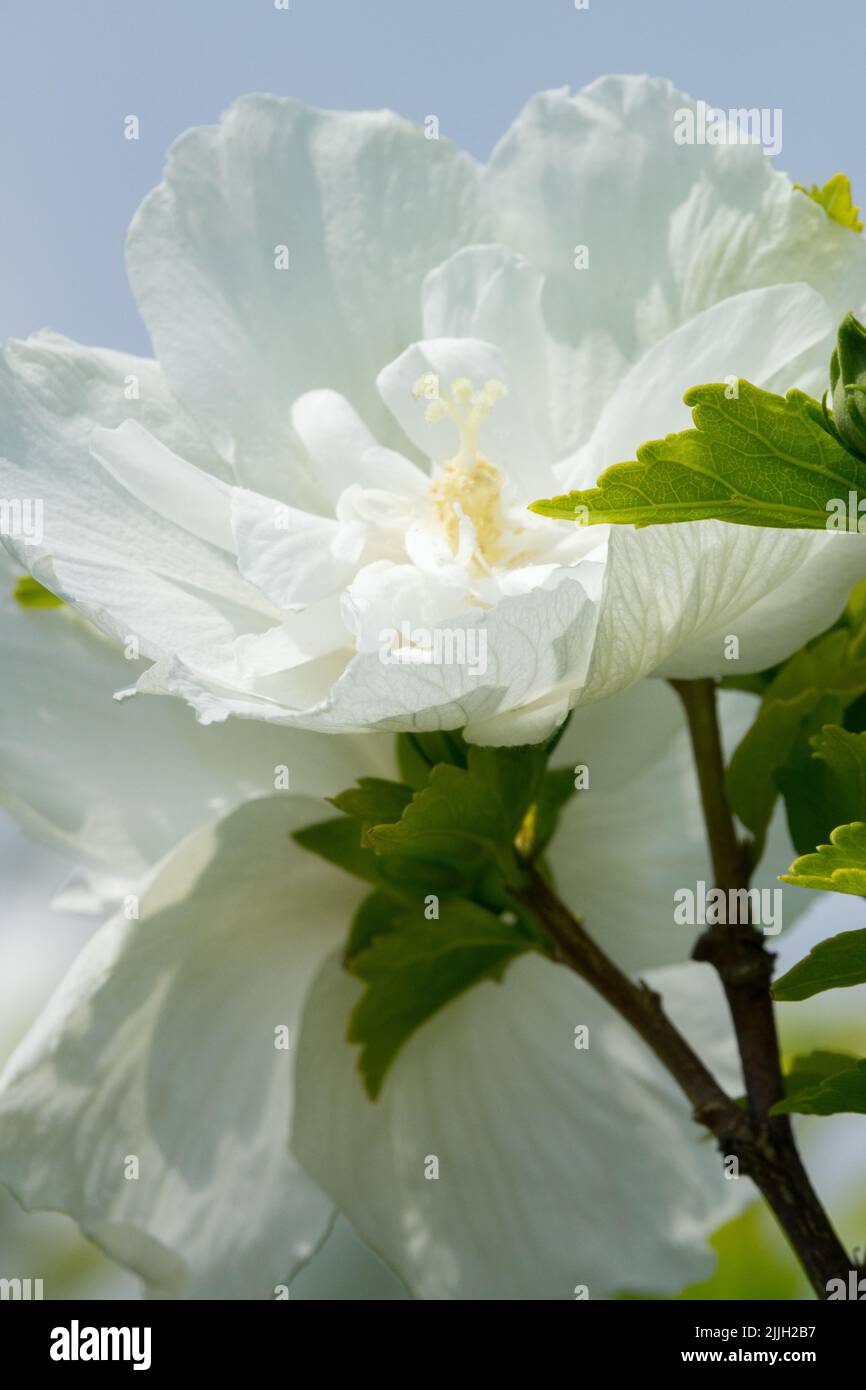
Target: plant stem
766	1155
745	967
636	1003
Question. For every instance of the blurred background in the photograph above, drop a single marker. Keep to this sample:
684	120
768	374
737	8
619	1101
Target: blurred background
71	74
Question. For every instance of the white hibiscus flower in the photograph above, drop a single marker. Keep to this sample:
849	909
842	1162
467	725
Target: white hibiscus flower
160	1044
373	354
255	511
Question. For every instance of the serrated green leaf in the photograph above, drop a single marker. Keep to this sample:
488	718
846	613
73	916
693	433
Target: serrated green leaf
837	963
378	913
756	459
825	1084
418	754
374	800
415	970
811	690
406	876
839	867
31	594
472	810
836	200
827	789
764	749
337	842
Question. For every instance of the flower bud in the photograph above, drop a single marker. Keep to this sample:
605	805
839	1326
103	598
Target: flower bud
848	384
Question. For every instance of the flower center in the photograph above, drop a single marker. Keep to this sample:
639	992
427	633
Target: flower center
467	485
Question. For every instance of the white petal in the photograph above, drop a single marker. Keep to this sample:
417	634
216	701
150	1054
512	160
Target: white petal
365	206
670	229
334	435
528	654
751	335
636	835
345	1270
303	637
175	489
547	1154
119	784
527	647
37	944
487	292
128	568
345	452
160	1044
294	557
133	601
388	473
385	598
674	594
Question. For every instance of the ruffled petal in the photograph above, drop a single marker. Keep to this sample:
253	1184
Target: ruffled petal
153	1098
540	1184
284	252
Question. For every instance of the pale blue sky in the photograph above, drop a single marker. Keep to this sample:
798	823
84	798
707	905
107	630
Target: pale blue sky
70	70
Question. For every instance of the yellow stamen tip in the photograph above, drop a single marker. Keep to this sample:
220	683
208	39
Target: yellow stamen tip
427	385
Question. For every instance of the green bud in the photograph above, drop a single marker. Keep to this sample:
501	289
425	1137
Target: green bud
848	384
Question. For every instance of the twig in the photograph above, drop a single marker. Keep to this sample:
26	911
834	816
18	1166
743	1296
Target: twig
745	967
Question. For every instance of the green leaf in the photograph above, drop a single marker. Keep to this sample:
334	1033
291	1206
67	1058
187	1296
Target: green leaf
378	913
812	1068
756	459
824	1083
417	968
809	1071
754	683
406	876
837	963
418	754
337	842
836	200
764	750
855	608
31	594
460	837
811	690
828	789
839	867
477	810
374	800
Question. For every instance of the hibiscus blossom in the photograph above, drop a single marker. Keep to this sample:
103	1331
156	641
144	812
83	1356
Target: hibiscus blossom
373	354
160	1044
